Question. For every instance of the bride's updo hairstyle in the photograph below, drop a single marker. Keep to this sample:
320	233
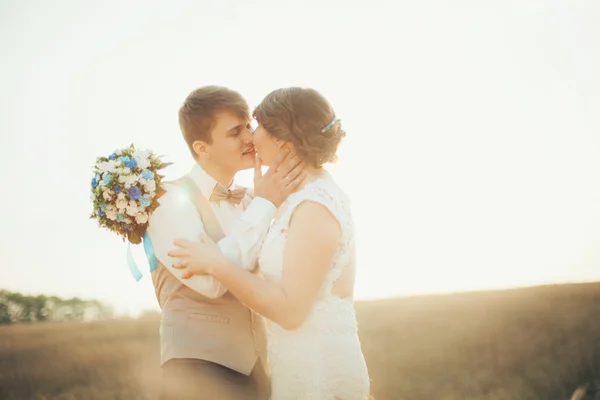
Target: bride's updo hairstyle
304	118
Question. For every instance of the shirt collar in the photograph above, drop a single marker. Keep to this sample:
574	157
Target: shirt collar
205	182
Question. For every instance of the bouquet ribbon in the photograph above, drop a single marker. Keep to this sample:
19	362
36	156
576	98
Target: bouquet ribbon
150	255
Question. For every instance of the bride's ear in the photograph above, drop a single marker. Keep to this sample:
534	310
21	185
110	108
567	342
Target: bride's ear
287	145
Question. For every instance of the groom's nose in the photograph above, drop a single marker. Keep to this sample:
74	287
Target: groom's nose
247	137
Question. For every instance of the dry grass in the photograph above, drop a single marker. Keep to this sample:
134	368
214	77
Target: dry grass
108	360
538	343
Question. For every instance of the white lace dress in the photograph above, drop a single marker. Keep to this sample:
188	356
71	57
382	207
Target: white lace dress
322	359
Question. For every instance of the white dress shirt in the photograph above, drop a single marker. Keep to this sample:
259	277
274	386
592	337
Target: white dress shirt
177	218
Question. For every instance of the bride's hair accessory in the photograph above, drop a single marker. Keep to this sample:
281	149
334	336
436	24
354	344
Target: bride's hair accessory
329	125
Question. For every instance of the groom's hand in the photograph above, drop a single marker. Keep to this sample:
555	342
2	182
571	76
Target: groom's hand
283	177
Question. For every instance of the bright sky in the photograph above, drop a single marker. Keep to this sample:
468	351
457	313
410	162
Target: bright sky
473	146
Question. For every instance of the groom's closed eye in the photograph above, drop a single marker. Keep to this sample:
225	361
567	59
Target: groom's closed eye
236	130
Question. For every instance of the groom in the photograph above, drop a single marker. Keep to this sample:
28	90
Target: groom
212	346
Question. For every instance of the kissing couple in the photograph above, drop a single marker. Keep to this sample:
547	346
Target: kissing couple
256	285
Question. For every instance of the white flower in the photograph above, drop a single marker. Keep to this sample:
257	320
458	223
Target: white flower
121	204
111	208
141	218
128	180
112	215
142	154
108	166
141	158
123	171
107	195
142	181
121	196
132	210
150	186
142	163
112	166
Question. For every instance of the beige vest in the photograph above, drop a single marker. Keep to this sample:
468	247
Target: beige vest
220	330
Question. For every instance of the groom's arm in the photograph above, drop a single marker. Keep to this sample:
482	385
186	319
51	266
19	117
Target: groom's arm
283	177
242	245
177	217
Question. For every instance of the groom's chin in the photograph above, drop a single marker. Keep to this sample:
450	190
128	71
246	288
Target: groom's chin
247	164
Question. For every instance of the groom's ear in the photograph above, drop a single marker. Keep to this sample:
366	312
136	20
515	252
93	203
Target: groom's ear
200	148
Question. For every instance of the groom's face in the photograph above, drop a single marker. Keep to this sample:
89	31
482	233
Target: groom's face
231	148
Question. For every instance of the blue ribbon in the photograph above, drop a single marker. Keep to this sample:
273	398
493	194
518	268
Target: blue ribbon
150	255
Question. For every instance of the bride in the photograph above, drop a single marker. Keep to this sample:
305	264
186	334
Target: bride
307	259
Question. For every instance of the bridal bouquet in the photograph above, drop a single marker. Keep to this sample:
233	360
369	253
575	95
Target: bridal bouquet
125	190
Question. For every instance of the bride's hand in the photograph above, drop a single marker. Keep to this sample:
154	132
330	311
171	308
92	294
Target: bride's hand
197	258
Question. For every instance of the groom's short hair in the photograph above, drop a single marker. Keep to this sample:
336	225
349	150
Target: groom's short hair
197	114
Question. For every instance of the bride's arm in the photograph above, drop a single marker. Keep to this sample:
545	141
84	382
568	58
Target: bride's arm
312	241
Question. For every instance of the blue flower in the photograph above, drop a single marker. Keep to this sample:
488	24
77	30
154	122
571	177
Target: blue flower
116	188
107	178
102	207
101	213
147	174
131	164
120	217
113	156
134	193
123	160
94	182
145	201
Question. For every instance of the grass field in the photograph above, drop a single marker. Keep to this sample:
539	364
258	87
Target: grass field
535	343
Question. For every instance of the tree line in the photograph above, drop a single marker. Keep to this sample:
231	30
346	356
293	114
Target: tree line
17	307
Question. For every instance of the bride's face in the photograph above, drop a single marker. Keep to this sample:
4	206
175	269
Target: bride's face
266	145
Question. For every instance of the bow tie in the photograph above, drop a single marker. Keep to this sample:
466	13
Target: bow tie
232	196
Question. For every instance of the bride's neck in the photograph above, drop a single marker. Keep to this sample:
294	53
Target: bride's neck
312	174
